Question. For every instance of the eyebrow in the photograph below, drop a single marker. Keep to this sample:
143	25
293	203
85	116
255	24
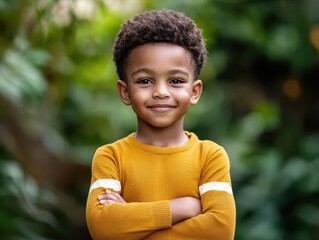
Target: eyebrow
147	70
141	70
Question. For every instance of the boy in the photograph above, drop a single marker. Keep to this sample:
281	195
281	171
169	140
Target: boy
161	182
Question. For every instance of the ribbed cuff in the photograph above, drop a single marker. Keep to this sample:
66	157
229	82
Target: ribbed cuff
162	216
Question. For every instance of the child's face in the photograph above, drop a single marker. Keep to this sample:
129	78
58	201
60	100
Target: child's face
160	84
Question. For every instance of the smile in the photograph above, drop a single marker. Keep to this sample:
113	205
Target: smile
161	108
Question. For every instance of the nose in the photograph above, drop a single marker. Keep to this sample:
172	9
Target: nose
161	91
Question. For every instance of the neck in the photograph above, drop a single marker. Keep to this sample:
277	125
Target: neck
162	137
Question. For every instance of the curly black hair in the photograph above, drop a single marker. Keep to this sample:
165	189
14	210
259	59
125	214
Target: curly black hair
154	26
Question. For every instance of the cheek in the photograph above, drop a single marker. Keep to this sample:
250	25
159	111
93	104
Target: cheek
183	96
138	97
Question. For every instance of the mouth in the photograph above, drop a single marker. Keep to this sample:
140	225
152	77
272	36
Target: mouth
161	107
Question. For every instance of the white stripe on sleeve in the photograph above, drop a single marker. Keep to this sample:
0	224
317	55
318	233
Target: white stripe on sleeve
217	186
106	183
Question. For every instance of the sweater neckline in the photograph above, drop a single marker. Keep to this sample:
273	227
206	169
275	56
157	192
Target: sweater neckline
163	150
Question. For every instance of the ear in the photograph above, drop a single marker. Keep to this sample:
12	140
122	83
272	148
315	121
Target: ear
122	90
197	91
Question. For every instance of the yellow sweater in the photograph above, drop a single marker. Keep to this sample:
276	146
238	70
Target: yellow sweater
147	177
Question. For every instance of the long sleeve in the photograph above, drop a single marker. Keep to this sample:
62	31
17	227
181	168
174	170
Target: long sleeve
217	220
133	220
147	177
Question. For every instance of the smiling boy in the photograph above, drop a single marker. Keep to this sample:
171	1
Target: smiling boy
160	182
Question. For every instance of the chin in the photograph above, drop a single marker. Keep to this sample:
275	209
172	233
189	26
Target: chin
162	124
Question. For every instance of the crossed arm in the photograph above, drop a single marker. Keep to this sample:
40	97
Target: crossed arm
212	216
181	208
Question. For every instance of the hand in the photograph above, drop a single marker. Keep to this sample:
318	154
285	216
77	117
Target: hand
185	207
110	197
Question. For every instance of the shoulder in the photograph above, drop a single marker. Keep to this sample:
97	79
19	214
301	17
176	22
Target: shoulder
111	149
117	144
215	152
206	145
211	150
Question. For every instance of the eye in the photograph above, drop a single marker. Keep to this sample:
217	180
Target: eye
144	81
176	81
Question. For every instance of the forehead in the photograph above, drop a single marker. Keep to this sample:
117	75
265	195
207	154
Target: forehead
159	57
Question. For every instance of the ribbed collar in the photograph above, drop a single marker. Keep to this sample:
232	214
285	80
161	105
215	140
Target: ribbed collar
193	139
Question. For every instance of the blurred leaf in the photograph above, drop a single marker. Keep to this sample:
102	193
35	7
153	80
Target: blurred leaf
309	213
18	78
283	42
270	114
309	146
293	171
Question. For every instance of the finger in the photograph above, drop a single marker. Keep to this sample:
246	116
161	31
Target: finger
108	194
102	196
111	196
117	196
103	201
108	197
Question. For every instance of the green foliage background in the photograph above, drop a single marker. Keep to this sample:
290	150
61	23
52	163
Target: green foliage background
58	103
